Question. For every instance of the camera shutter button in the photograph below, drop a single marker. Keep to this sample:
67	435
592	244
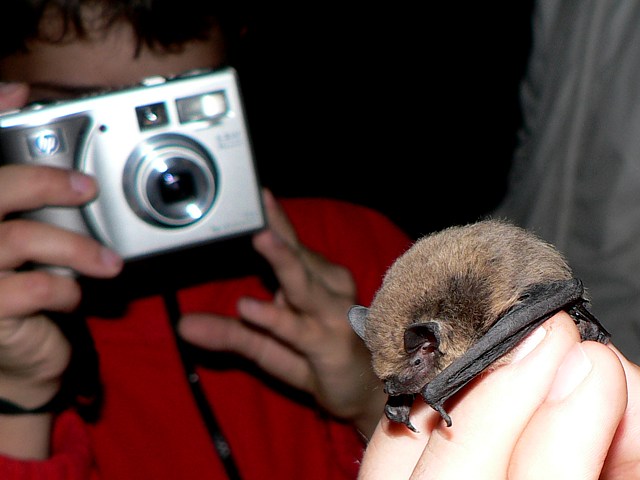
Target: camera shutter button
153	80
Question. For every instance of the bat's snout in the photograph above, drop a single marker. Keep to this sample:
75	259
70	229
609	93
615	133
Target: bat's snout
393	386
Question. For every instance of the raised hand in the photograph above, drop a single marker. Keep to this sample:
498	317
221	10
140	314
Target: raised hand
303	337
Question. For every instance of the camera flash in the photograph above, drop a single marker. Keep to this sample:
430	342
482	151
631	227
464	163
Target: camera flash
208	106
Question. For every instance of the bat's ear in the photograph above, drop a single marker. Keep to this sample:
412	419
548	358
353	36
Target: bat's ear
358	319
419	335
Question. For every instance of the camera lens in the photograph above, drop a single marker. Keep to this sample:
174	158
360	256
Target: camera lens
176	186
170	180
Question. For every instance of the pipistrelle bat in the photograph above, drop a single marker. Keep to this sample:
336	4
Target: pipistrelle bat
457	302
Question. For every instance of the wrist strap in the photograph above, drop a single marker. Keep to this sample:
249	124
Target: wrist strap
9	408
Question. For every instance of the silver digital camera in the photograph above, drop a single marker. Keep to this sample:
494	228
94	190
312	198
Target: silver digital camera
172	157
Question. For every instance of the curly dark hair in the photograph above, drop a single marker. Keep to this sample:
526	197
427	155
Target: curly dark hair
164	24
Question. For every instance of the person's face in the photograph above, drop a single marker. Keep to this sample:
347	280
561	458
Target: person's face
73	68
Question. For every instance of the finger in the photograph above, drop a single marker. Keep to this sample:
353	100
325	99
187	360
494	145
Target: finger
26	187
278	319
490	416
277	219
394	450
623	460
335	277
572	430
302	330
27	241
302	289
217	333
13	95
26	293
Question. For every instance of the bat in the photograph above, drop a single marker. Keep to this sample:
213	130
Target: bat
456	303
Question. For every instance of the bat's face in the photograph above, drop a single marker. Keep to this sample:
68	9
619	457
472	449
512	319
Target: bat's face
412	337
419	361
406	368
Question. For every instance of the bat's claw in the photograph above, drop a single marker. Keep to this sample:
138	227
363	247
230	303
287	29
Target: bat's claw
410	426
398	408
589	326
445	416
436	403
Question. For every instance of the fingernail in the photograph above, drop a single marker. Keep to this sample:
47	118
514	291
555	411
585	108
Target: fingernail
110	258
573	370
529	344
267	197
247	305
9	88
80	183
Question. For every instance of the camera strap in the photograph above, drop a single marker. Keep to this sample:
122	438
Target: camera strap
215	432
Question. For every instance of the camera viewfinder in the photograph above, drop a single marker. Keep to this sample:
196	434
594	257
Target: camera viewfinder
150	116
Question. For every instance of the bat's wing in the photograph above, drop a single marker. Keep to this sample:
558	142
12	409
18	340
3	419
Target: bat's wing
541	302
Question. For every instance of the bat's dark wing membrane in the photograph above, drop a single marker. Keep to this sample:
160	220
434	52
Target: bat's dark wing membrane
541	302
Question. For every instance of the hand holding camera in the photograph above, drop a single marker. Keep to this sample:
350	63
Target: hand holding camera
33	351
172	157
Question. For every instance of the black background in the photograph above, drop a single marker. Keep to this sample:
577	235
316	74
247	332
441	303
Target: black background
410	110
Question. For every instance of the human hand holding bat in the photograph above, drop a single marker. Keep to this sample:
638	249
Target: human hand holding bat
450	314
565	409
456	304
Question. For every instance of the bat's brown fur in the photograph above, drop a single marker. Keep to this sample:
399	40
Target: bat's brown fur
463	278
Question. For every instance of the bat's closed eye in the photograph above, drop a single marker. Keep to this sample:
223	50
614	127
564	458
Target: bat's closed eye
421	335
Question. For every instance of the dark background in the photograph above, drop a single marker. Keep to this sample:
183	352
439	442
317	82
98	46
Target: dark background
411	112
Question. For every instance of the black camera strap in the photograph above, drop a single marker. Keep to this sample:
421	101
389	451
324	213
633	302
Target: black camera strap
215	432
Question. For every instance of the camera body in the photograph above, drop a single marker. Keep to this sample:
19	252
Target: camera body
172	157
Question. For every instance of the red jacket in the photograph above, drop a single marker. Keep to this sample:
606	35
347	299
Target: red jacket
150	427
